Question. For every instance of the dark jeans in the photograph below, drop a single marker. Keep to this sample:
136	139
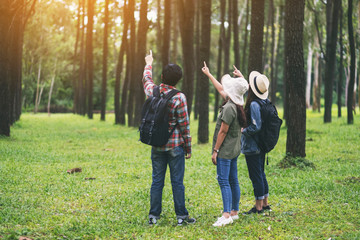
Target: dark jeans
175	158
256	164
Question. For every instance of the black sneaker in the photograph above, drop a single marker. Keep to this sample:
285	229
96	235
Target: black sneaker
187	220
267	208
152	221
254	210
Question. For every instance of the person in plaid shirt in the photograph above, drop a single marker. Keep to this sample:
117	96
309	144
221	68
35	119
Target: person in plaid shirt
174	152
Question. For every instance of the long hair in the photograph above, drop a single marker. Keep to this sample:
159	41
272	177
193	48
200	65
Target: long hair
251	97
241	116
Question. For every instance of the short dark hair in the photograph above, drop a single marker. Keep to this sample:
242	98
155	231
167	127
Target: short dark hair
171	74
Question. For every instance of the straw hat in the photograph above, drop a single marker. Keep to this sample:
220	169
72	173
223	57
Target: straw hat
235	88
259	84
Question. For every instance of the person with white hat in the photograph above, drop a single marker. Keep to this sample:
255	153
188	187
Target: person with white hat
255	157
226	142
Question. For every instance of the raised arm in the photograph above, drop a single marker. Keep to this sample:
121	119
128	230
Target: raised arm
215	82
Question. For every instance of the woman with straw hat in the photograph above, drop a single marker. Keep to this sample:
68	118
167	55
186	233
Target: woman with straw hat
226	142
255	158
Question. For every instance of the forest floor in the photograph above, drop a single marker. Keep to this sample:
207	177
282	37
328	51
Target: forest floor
109	199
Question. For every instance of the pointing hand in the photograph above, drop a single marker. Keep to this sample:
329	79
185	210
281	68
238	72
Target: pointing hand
149	59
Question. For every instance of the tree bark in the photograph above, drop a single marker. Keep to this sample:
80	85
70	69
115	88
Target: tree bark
140	55
227	39
38	87
256	36
132	68
265	53
350	108
295	78
198	63
274	44
166	33
89	58
245	47
203	129
186	19
220	53
235	16
82	70
4	71
175	34
105	55
119	68
332	11
340	82
317	78
51	88
308	75
75	62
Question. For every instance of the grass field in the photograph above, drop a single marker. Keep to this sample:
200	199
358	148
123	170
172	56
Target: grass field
40	200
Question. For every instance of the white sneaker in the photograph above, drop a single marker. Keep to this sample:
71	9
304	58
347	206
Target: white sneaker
235	217
222	221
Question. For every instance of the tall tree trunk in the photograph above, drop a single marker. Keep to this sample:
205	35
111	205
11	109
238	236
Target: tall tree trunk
308	75
220	53
265	53
132	67
274	45
38	87
82	71
332	11
75	62
175	33
245	47
235	16
166	33
295	78
89	58
340	82
15	61
140	54
256	36
105	55
159	33
198	63
203	130
227	40
119	67
317	78
5	21
359	57
51	88
186	18
350	118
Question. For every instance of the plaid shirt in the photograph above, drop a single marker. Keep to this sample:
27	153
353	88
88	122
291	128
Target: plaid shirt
178	114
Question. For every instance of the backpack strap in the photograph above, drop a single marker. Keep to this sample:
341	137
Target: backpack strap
156	91
170	94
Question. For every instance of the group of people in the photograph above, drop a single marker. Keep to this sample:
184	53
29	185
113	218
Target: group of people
236	132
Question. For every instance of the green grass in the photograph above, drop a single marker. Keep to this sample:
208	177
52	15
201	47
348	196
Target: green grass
38	199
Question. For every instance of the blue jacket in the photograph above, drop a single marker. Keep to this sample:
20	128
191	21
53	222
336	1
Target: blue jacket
248	144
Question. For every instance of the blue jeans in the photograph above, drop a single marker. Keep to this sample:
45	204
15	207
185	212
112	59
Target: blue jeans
255	164
228	180
175	158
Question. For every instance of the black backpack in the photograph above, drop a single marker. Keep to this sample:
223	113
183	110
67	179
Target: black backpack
154	127
270	126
